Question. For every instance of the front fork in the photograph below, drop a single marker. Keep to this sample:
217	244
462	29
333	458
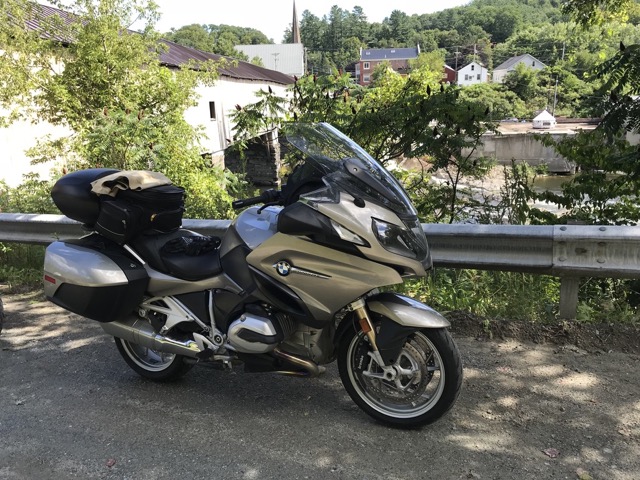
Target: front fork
360	310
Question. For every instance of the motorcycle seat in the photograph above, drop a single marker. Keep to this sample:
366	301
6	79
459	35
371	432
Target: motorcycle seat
183	254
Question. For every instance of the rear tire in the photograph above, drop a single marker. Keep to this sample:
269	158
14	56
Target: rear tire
151	364
429	377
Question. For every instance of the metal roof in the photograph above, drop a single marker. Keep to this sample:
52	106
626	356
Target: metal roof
389	53
177	55
174	55
511	62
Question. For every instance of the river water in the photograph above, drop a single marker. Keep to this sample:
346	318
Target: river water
552	183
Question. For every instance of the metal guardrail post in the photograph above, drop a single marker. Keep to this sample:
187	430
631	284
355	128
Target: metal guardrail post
569	287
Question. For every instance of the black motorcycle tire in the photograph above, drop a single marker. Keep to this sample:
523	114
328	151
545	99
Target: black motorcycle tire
171	369
436	355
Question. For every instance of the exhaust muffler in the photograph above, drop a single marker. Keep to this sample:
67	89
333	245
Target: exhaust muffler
139	331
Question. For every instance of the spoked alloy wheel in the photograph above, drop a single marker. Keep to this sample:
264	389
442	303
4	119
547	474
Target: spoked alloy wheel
423	385
152	364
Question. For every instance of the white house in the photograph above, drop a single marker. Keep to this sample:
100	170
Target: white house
237	85
544	120
287	58
472	73
504	68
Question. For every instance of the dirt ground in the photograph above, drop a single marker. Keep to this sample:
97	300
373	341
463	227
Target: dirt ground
560	402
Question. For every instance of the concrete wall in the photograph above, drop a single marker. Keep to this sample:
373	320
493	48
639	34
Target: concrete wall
523	147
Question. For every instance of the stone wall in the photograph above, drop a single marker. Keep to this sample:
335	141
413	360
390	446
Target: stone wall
260	162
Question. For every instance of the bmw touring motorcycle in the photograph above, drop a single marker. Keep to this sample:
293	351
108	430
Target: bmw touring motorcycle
291	286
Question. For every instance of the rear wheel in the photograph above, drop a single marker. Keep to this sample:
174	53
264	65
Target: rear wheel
152	364
426	377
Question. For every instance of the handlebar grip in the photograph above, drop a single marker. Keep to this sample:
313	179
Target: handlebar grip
266	196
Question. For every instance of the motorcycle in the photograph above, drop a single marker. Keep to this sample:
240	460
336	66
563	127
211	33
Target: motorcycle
292	285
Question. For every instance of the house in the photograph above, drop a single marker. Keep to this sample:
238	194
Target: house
286	58
449	75
237	84
544	120
472	73
501	71
370	58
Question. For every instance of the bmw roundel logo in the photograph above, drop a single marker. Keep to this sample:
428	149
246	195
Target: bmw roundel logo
283	268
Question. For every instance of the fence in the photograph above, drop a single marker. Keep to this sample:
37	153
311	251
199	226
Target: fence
565	251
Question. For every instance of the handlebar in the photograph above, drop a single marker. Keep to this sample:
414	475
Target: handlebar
267	196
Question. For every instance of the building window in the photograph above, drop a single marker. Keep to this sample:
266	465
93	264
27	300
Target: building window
366	79
366	66
533	64
478	76
473	67
212	110
466	76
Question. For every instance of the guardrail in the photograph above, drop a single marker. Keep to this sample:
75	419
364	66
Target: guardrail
565	251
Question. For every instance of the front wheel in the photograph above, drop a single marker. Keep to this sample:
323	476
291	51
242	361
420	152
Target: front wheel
426	383
151	364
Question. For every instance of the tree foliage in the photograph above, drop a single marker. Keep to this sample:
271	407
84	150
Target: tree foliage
88	72
401	117
220	39
607	186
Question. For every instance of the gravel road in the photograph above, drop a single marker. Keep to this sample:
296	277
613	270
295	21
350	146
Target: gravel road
71	408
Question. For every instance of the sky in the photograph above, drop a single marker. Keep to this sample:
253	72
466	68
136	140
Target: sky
272	17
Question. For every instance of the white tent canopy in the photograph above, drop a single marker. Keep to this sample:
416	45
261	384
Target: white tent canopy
544	120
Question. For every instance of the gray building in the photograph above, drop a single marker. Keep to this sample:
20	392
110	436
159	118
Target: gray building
501	71
286	58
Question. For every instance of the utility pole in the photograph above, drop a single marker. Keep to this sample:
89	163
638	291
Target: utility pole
555	93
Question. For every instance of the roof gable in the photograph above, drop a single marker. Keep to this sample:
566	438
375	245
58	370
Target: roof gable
470	64
513	61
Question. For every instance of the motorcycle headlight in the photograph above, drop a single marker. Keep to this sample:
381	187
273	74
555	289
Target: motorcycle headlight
397	239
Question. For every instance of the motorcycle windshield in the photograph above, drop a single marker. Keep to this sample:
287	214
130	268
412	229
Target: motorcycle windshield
338	159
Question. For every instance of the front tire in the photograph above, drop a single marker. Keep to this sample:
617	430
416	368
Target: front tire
427	384
151	364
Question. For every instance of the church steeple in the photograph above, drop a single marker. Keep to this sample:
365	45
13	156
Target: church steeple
295	26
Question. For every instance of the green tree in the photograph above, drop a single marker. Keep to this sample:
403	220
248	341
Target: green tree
411	116
605	190
502	103
194	36
523	81
220	39
106	83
